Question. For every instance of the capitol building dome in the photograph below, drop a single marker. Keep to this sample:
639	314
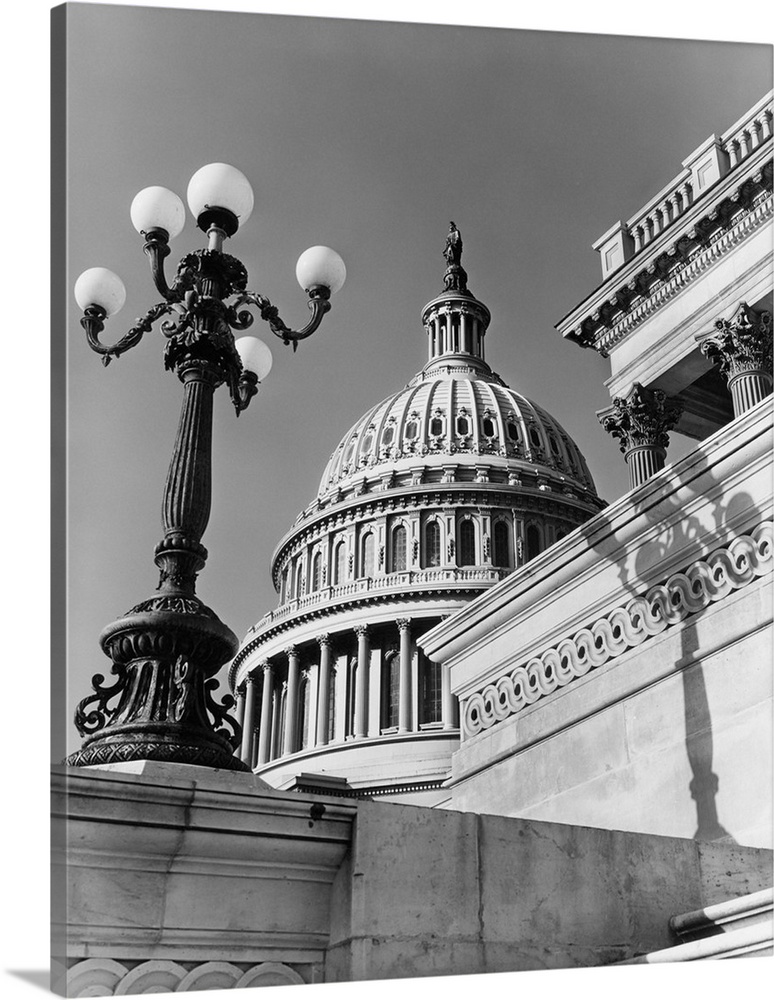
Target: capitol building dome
432	496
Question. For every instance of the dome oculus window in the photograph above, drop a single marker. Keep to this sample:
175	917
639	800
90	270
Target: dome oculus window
513	431
463	427
488	427
412	429
436	426
387	436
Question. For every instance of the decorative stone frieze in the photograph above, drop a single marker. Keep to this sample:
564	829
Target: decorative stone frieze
703	582
641	422
106	978
742	351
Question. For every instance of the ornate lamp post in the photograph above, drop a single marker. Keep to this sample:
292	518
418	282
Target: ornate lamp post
166	650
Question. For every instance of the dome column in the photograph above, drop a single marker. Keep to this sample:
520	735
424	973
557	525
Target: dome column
641	422
742	350
361	681
323	689
265	732
248	721
291	703
404	681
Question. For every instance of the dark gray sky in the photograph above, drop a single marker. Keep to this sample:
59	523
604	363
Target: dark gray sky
368	137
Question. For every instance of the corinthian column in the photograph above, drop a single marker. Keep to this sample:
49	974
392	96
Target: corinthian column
323	689
741	349
361	681
641	422
291	702
404	686
265	732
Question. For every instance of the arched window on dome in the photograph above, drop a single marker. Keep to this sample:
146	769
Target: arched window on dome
367	555
298	578
488	427
339	562
534	541
398	563
466	543
316	572
284	586
391	690
387	435
430	697
412	430
432	544
502	544
513	431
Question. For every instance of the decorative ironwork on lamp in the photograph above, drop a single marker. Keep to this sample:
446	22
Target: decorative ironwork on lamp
166	650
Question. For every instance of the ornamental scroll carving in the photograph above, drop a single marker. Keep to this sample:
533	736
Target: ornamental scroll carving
705	581
105	977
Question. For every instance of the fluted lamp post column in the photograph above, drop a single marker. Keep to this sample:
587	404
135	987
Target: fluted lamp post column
641	422
166	650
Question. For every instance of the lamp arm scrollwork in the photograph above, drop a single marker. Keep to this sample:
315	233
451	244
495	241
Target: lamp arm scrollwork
93	322
319	303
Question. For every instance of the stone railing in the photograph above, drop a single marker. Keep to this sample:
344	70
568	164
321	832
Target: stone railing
706	580
398	583
709	163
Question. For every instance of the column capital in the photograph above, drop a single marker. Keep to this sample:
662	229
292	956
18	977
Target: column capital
361	631
741	344
291	651
641	419
403	624
325	639
265	666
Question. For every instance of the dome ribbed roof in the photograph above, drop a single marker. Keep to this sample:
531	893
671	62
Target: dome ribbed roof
455	410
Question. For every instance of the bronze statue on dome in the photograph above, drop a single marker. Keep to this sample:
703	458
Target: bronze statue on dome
453	249
455	279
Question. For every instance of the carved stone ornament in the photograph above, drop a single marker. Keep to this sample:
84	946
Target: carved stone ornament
742	344
705	581
641	419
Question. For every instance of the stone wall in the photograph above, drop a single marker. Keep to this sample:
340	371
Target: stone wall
179	878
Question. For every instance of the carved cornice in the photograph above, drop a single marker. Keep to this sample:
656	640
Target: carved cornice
742	344
692	252
641	419
728	568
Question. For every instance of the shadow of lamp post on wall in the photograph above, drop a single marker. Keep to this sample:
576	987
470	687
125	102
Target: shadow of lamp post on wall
166	650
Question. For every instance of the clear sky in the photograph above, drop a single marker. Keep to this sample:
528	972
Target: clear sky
368	137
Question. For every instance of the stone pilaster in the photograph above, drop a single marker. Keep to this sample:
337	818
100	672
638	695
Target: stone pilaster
447	699
323	688
265	732
361	681
742	350
641	422
404	686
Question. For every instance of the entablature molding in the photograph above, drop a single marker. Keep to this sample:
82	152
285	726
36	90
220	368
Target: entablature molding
712	227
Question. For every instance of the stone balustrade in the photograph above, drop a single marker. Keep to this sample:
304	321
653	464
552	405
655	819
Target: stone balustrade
394	582
713	160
